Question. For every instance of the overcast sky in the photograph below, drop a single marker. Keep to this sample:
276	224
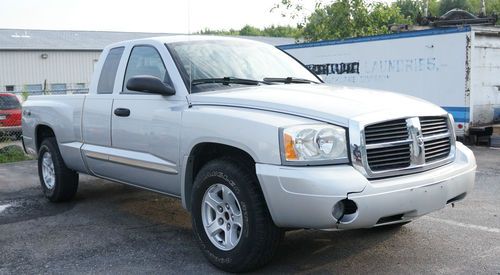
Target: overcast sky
179	16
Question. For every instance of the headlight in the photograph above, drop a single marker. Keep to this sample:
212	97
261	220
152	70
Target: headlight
313	144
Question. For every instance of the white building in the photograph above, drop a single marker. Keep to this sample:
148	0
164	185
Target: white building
58	61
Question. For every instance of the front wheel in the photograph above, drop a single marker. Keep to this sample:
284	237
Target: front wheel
59	183
230	218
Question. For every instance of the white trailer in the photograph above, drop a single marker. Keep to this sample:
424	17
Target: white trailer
457	68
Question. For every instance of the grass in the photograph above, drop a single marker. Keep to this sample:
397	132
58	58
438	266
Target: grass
12	154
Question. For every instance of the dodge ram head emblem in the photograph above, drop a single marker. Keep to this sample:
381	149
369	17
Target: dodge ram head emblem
417	145
420	141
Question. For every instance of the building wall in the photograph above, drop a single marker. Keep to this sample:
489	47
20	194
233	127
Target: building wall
21	68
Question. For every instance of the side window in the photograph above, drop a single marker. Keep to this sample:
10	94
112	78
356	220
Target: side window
108	73
145	60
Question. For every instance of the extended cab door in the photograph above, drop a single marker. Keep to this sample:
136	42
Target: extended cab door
146	127
96	121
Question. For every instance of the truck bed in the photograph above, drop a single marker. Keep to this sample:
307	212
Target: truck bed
62	113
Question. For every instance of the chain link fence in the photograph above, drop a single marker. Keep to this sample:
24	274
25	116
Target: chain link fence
11	148
10	128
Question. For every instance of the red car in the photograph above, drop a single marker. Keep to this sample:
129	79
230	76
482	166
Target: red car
10	115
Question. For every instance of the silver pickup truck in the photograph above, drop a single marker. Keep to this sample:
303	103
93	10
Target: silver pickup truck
250	140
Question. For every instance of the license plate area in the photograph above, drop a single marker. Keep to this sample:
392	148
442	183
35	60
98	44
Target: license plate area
430	198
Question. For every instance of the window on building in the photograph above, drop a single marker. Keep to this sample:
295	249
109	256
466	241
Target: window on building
108	73
58	88
34	89
10	88
145	60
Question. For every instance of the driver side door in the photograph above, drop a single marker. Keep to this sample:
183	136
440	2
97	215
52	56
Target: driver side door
145	128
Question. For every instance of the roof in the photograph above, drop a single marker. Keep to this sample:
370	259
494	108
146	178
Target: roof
181	38
370	38
406	34
21	39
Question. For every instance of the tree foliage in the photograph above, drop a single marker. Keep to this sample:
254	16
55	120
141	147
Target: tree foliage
334	19
492	6
350	18
446	5
273	31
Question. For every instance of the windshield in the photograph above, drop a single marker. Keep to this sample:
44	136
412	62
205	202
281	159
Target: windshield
9	102
224	64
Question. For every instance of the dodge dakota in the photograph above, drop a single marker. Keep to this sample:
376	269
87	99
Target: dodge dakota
250	140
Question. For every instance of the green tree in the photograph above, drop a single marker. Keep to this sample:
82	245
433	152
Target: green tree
219	32
250	31
383	15
351	18
433	7
410	9
446	5
275	31
282	31
492	6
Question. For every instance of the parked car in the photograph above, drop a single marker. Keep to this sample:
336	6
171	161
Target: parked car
10	115
250	140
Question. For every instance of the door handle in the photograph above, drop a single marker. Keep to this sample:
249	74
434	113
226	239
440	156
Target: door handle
122	112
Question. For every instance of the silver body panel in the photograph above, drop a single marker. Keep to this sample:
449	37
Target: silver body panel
150	148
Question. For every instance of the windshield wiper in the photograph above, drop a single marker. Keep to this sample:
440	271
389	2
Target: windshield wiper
289	80
227	81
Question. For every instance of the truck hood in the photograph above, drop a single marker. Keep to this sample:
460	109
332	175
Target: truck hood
335	104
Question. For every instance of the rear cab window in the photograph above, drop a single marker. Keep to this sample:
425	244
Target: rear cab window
108	72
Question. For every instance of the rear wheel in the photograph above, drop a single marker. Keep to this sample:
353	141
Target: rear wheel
59	183
230	218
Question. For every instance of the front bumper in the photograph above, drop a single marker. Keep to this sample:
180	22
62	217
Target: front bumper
304	197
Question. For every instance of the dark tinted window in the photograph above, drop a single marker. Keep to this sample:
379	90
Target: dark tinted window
9	102
145	60
108	73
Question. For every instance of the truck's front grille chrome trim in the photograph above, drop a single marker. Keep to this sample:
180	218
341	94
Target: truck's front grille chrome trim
388	144
406	145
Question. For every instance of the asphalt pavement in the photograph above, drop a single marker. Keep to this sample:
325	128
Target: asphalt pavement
112	228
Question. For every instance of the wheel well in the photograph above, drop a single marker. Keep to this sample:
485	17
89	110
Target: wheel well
205	152
43	132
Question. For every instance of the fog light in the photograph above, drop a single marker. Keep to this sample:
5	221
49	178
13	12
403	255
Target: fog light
345	211
338	210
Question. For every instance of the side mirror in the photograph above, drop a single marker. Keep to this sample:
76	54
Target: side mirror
149	84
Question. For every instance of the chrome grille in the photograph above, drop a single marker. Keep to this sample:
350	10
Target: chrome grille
387	131
389	157
433	125
403	144
437	149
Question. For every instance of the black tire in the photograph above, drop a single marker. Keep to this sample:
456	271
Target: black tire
66	180
259	237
